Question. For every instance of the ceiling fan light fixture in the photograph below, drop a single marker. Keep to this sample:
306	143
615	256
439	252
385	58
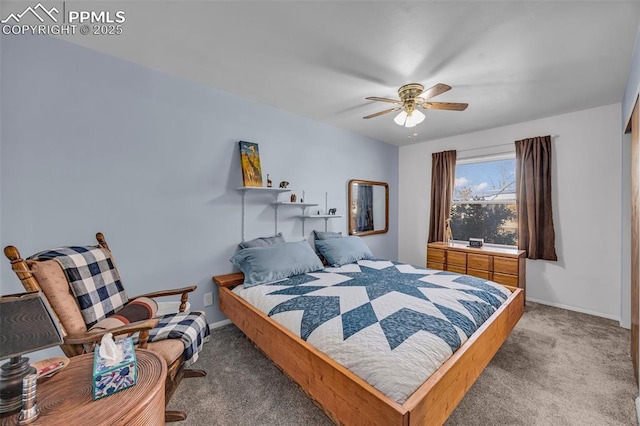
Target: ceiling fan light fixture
409	120
416	117
413	96
401	118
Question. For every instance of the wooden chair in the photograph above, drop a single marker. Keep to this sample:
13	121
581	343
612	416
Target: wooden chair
48	277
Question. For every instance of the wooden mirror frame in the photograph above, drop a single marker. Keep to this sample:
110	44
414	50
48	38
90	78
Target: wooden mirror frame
352	228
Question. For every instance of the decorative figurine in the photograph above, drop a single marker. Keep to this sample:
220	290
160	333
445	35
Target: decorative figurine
293	197
302	198
269	184
332	211
284	184
448	235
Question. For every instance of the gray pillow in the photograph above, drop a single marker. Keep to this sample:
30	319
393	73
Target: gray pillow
319	235
263	241
340	251
262	265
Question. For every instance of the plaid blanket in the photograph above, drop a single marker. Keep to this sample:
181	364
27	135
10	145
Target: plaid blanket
94	280
191	328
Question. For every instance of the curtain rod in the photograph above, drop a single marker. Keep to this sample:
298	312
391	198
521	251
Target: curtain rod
495	146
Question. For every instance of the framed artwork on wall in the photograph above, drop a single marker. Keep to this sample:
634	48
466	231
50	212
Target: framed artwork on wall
250	163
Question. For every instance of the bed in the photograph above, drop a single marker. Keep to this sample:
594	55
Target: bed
289	335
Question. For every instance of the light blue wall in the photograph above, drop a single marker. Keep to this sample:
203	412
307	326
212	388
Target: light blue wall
93	143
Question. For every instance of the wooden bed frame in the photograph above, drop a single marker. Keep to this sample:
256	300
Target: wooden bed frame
345	397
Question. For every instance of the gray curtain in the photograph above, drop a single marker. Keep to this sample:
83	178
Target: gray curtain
443	174
536	234
364	219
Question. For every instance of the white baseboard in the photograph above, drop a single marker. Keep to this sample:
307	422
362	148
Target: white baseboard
573	308
219	324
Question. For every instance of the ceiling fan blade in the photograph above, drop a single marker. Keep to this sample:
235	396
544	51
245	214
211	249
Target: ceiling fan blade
449	106
434	91
382	112
375	98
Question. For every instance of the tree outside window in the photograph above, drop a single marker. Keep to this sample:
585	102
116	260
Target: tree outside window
484	201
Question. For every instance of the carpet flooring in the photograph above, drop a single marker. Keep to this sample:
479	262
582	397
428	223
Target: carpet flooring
557	367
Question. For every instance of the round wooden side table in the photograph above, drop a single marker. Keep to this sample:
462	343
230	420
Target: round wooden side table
66	398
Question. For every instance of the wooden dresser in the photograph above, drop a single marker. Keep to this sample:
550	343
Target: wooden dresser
502	265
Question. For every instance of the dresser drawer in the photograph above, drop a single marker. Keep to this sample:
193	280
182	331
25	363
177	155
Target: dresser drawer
457	258
478	273
435	265
457	269
505	265
478	261
435	255
510	280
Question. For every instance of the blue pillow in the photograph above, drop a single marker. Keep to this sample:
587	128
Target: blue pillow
340	251
262	265
319	235
263	241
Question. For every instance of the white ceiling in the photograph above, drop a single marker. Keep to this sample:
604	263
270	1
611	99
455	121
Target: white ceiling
512	61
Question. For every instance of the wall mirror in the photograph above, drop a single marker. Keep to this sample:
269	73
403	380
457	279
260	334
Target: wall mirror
368	207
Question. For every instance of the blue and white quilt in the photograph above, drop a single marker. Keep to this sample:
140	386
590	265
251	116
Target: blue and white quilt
391	324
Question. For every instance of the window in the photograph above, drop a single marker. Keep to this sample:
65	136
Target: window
484	200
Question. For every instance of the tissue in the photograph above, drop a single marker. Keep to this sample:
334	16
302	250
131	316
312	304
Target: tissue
114	366
110	352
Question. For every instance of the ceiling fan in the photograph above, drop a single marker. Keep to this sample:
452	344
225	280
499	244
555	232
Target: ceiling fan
412	96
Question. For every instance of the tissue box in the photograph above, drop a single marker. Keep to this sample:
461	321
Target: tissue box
111	379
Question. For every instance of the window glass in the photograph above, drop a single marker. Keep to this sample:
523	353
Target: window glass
484	201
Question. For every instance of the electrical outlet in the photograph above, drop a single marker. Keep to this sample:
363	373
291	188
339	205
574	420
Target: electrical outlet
208	299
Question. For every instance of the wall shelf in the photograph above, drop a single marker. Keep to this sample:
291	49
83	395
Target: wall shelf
258	189
288	203
277	204
303	206
262	189
326	218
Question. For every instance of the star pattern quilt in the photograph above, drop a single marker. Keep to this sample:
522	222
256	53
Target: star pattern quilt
391	324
